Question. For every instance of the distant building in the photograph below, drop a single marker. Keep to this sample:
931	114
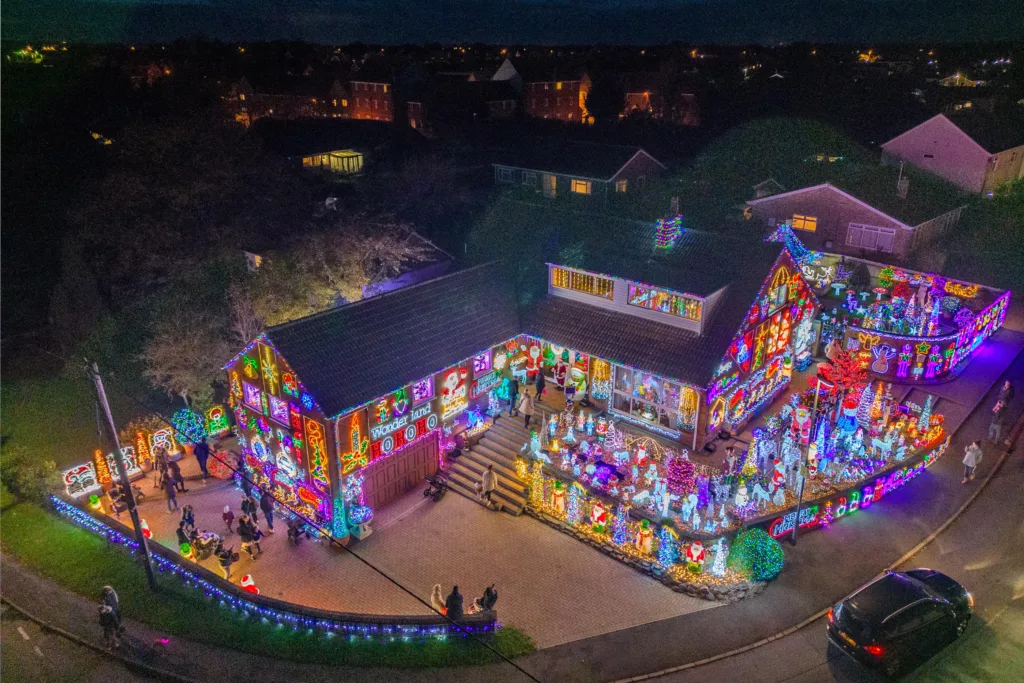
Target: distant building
556	93
554	168
960	80
372	100
974	150
828	218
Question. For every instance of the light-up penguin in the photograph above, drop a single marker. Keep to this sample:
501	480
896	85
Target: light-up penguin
589	425
552	426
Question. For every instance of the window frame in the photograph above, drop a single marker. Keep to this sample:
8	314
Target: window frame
582	282
622	185
862	229
506	175
580	182
676	302
804	221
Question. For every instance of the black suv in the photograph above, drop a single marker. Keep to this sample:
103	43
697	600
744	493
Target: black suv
899	618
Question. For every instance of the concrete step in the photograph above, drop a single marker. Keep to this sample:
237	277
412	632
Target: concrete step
511	441
510	504
475	468
496	453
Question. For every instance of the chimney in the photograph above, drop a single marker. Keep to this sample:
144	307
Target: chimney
902	187
674	209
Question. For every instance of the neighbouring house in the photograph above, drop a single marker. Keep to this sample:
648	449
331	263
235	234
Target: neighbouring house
554	168
507	73
371	100
975	150
337	146
829	218
767	188
556	93
311	94
449	104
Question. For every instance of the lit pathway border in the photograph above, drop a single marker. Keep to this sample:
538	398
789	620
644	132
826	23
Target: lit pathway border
384	628
821	613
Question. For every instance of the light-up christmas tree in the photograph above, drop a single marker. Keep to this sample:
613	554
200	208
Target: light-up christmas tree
878	401
668	553
620	526
681	474
493	408
864	407
749	468
667	232
721	552
926	415
573	511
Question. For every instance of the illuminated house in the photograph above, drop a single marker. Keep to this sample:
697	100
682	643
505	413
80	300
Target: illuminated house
372	100
974	150
553	93
676	332
554	168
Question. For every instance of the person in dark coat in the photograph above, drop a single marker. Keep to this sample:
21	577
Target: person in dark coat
245	533
182	533
513	397
540	385
267	505
453	604
225	558
995	430
1007	393
202	452
188	516
249	507
111	600
171	493
111	627
175	471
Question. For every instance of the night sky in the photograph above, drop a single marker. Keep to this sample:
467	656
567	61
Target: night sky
517	21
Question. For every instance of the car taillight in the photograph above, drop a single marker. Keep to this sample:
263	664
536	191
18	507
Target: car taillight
876	650
831	616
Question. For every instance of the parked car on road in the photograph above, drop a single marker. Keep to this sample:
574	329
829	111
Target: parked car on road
900	618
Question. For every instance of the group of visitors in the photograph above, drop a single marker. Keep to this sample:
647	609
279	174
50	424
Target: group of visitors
452	606
973	452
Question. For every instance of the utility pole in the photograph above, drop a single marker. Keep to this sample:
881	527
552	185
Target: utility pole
122	472
803	460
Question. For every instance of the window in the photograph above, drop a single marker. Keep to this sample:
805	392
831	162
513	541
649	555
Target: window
929	156
870	237
529	178
558	86
654	399
385	88
665	302
505	175
241	96
580	186
620	185
808	223
582	282
334	103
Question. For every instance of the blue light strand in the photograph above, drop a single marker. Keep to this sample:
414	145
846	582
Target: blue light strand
379	632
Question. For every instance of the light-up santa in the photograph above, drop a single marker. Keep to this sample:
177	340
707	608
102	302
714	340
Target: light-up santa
695	557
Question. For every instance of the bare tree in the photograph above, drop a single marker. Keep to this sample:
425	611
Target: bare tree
245	322
186	354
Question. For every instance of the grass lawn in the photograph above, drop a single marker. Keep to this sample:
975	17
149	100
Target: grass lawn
83	562
52	417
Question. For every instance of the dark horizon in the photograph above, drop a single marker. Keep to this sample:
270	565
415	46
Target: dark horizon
519	22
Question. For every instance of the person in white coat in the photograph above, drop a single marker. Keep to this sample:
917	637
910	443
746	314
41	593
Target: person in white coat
488	482
972	457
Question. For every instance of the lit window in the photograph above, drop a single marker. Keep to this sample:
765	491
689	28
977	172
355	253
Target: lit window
241	96
621	185
582	282
344	103
385	88
558	86
334	103
664	302
808	223
580	186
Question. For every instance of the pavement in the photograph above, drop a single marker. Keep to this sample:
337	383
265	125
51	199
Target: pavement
825	566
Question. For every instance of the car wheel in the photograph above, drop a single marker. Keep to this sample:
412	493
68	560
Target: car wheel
961	625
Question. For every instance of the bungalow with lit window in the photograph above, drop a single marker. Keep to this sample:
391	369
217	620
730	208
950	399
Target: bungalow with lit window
975	150
896	219
560	168
336	146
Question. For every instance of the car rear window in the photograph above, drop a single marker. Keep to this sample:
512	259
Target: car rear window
852	625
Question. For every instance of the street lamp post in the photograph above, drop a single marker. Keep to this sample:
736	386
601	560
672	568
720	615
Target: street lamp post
122	473
803	459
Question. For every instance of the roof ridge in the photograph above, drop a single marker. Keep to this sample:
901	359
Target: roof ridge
379	297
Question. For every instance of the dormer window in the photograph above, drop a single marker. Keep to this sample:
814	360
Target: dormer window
583	282
665	302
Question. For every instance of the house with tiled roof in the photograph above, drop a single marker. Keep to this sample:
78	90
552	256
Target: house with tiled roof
975	150
553	167
677	333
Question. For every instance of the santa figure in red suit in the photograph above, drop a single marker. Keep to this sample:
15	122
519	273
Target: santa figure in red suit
532	362
778	474
249	585
695	556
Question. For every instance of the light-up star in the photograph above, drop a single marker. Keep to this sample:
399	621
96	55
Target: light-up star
922	348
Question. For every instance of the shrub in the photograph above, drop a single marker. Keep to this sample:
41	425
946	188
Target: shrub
950	304
757	555
27	476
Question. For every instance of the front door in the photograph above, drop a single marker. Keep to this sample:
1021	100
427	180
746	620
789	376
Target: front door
550	183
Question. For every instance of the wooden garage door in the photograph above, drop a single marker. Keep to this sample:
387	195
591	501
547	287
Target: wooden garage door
394	475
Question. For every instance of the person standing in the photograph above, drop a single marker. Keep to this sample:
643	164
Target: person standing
171	493
513	397
202	453
111	600
1007	393
453	604
489	482
539	385
175	472
249	507
437	599
972	457
229	518
995	430
225	558
245	533
267	505
526	408
110	626
182	534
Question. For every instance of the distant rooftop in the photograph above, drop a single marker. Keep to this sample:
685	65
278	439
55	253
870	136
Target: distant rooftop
595	160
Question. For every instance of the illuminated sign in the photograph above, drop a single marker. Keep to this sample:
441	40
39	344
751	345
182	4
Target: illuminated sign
485	383
402	431
454	398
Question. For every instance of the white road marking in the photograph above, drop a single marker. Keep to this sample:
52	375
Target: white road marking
37	650
22	632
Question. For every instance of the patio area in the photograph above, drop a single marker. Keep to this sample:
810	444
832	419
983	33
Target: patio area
551	586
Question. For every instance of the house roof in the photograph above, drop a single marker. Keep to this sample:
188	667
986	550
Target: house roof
354	353
546	72
299	137
595	160
651	345
995	131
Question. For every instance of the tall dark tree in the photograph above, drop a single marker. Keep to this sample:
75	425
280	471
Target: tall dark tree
606	99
